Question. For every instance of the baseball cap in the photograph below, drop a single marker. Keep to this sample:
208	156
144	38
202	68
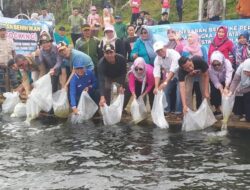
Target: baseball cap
108	47
118	17
45	37
78	63
158	45
61	46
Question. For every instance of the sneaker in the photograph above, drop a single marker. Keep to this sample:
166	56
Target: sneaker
243	119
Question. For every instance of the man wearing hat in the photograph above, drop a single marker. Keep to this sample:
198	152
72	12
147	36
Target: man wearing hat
7	52
166	68
120	27
88	44
82	80
111	69
70	57
49	60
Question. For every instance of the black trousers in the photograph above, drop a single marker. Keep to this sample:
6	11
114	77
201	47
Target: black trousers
215	95
198	95
74	37
242	105
134	17
138	86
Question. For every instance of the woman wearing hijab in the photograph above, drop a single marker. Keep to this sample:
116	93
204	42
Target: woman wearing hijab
192	48
220	73
143	47
241	50
222	44
141	79
241	85
110	37
174	41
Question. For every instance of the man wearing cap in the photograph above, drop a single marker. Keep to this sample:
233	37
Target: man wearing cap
120	27
7	52
82	80
166	68
49	60
111	68
88	44
72	56
188	70
60	36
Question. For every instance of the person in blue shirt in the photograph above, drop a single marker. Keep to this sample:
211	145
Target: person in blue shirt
70	57
82	80
60	36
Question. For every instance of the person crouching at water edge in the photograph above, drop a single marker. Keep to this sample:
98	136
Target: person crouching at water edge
241	85
141	80
188	69
166	68
112	68
82	80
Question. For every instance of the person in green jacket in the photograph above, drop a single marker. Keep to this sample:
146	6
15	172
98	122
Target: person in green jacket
120	28
88	44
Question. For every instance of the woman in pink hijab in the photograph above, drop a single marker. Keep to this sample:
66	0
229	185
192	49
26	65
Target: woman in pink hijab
221	43
141	79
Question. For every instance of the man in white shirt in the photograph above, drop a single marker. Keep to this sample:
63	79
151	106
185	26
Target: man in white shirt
166	74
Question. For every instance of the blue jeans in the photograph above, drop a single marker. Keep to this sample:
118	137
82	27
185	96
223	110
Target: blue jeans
169	88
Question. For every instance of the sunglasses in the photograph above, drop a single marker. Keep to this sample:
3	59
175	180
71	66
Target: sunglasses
216	65
138	69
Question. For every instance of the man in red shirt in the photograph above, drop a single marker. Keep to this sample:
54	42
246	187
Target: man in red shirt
135	7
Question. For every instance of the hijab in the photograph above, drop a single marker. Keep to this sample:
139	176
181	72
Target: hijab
171	43
217	42
241	50
149	44
195	47
245	80
139	63
105	38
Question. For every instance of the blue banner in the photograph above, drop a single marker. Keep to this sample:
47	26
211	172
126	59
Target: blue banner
206	30
25	33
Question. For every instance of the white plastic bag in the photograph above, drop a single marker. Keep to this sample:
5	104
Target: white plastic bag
40	98
32	110
61	103
138	110
227	103
86	107
157	111
112	114
200	119
42	92
12	99
20	110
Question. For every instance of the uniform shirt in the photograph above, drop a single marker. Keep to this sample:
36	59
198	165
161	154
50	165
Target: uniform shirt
199	65
79	83
76	23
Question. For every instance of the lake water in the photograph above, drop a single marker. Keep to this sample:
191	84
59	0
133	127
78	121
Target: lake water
58	155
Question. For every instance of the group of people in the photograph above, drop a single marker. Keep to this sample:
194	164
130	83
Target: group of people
130	58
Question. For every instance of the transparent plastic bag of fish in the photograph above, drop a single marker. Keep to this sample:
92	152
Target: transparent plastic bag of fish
138	110
200	119
61	103
157	111
86	107
12	99
112	114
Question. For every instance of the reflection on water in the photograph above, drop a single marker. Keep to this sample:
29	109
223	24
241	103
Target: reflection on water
57	155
